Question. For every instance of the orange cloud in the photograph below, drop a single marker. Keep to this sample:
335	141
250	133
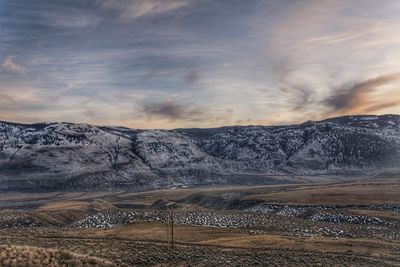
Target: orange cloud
357	99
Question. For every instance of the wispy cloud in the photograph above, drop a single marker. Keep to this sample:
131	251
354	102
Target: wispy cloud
173	111
357	98
142	8
10	65
62	20
191	77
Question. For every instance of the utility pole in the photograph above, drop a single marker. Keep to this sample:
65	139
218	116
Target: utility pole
170	211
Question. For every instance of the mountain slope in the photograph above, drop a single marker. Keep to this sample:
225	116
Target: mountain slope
58	156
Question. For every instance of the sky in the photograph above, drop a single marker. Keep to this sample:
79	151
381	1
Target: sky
188	63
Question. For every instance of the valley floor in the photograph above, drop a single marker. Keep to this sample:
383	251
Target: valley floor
343	224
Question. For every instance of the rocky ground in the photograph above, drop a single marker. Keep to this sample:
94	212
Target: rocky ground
288	220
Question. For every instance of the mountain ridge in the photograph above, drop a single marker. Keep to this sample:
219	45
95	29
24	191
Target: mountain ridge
69	156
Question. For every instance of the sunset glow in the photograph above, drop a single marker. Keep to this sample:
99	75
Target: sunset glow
187	63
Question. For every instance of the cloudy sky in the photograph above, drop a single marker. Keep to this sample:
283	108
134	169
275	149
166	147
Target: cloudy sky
205	63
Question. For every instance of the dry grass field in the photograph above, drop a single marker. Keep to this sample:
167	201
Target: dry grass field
341	224
354	193
239	238
36	257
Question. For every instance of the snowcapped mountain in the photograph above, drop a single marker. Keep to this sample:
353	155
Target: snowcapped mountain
57	156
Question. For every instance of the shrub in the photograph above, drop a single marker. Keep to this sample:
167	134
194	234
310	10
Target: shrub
15	255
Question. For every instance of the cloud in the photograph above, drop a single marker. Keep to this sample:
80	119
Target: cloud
299	96
10	65
356	99
185	62
71	20
173	111
142	8
191	77
381	106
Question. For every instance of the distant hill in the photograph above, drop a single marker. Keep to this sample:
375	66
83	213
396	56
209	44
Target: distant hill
66	156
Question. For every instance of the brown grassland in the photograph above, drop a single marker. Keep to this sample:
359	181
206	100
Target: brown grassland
279	242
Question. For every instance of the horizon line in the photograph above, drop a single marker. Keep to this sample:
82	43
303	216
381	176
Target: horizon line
181	128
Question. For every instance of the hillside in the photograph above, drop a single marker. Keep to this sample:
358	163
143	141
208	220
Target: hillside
58	156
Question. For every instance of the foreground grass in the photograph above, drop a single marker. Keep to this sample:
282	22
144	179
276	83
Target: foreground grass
21	256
